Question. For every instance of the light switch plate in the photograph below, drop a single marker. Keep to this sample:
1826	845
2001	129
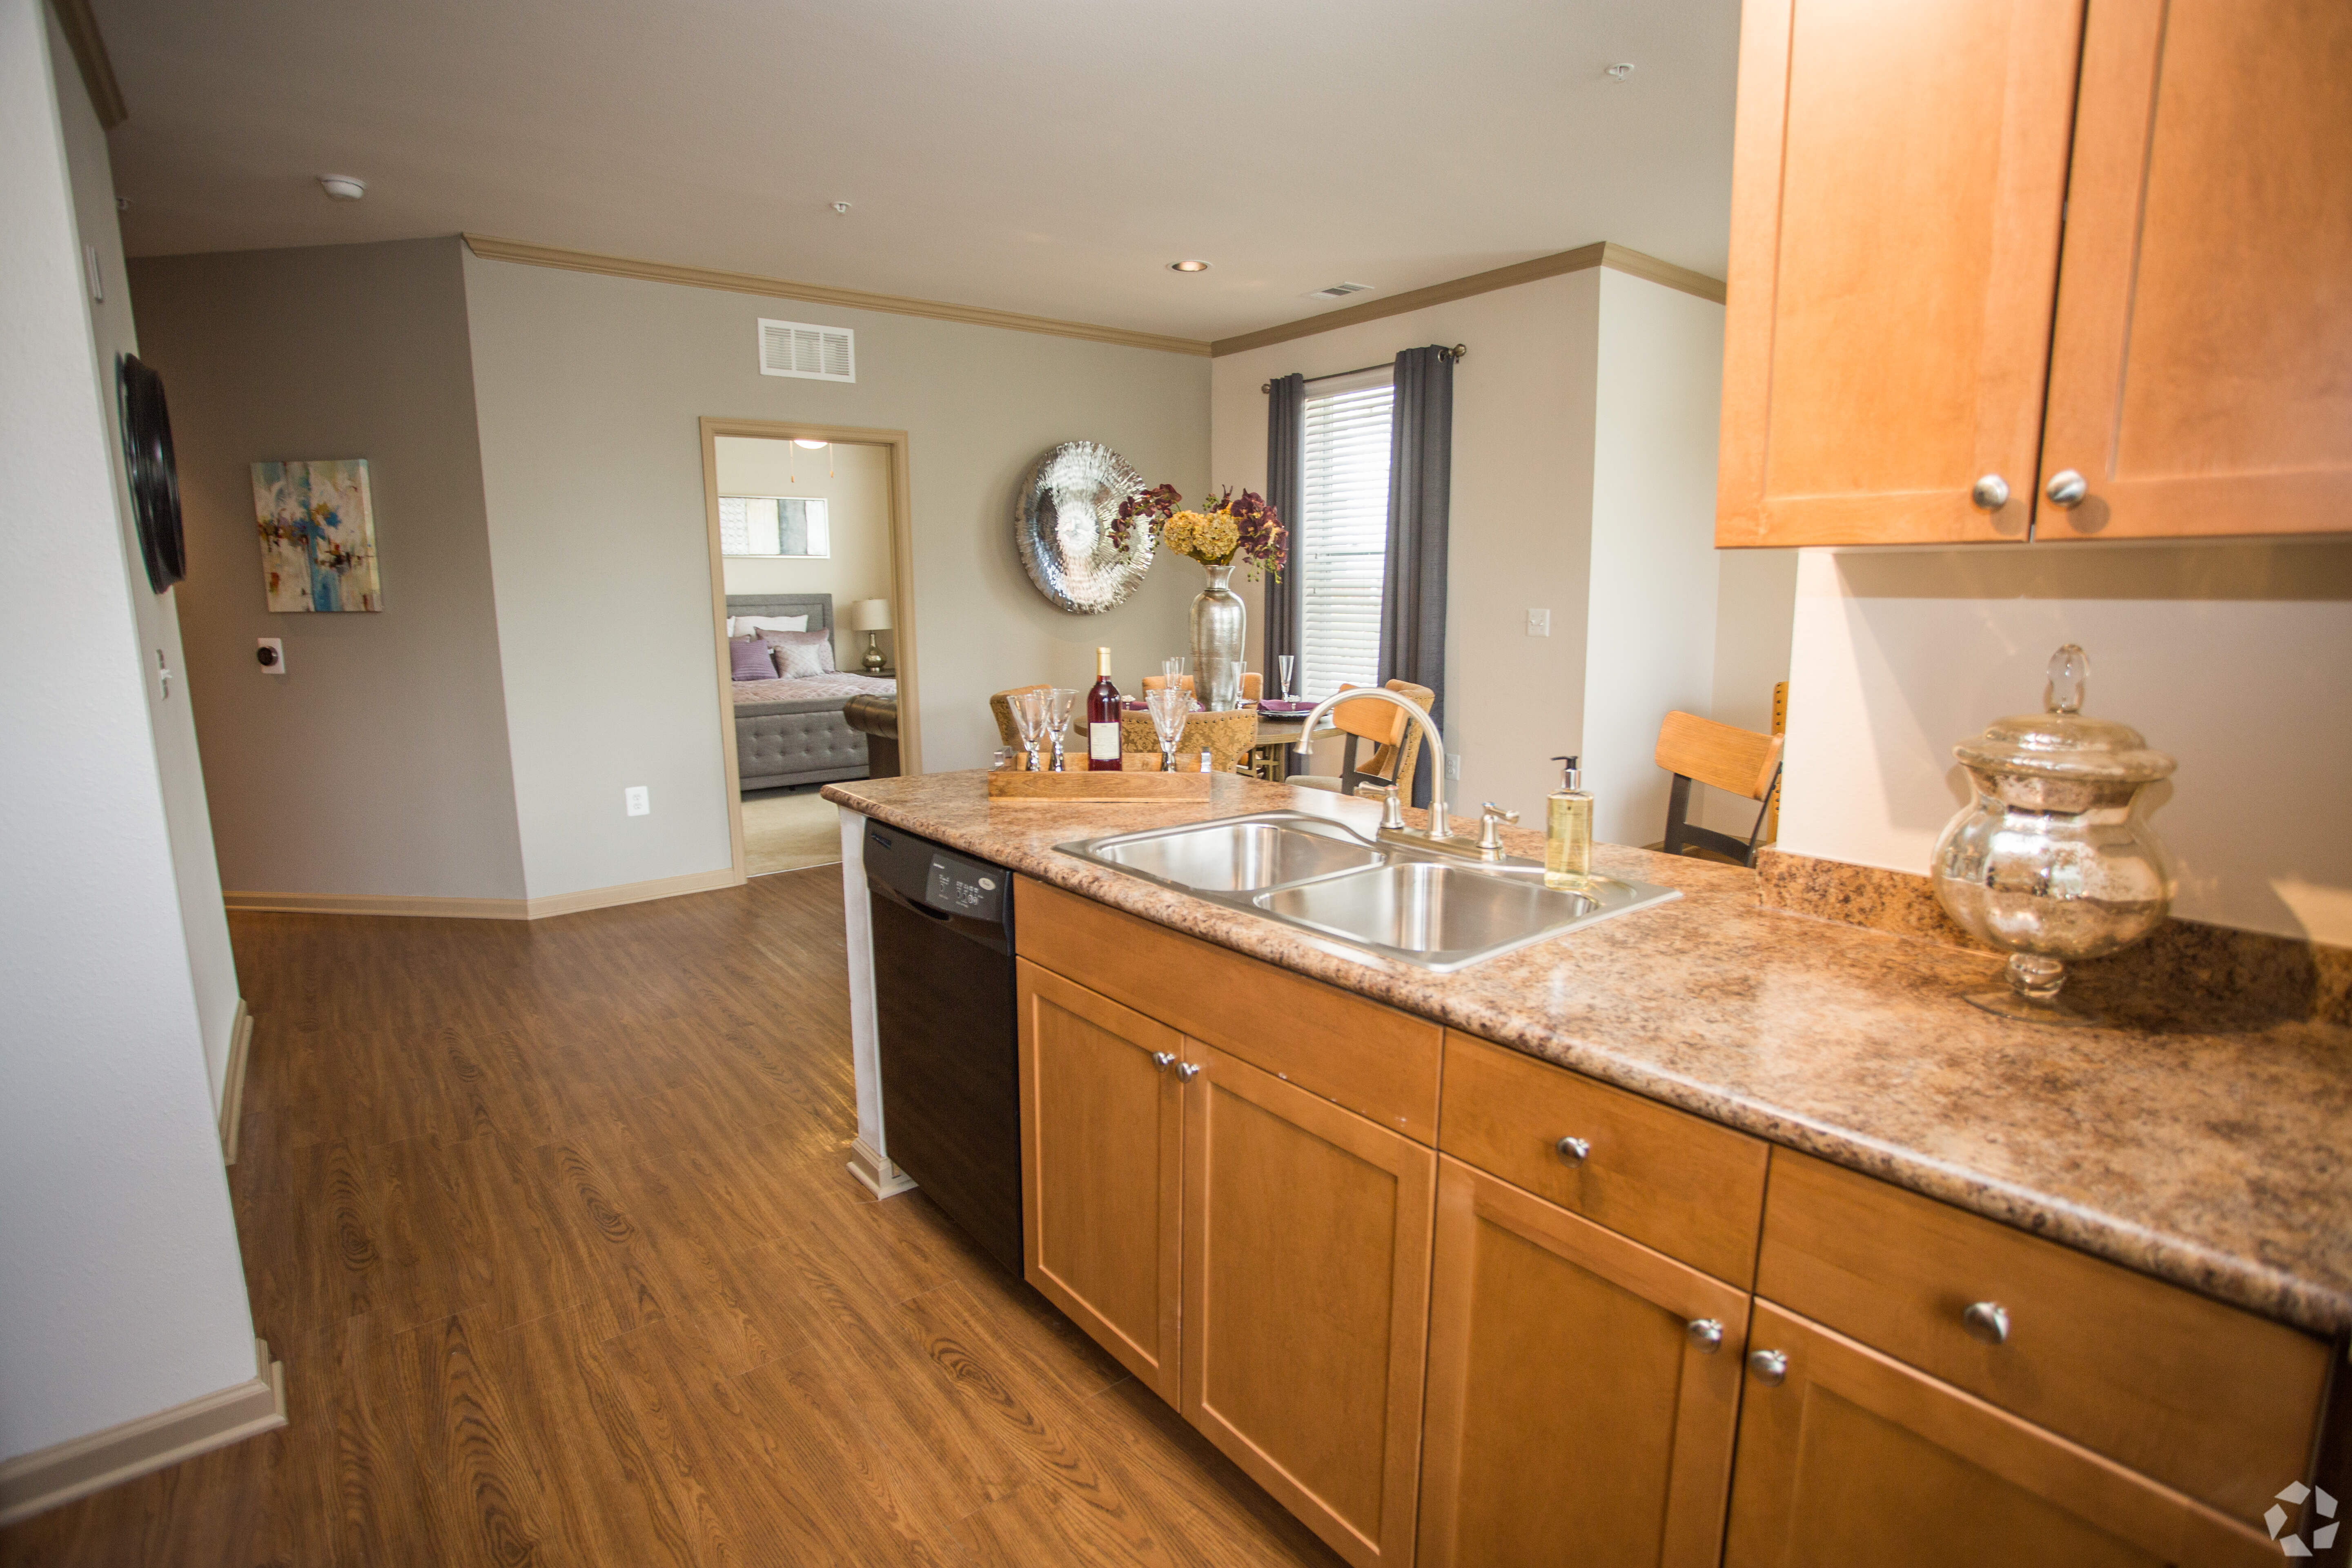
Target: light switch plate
1538	623
271	651
638	799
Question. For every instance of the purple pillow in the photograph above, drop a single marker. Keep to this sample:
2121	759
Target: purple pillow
753	661
800	655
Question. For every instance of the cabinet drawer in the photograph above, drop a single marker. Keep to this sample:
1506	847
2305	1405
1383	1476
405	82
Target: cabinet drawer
1375	1060
1686	1187
2209	1399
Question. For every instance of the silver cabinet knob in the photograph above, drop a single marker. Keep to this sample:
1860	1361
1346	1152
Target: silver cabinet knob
1990	492
2067	488
1163	1060
1987	1321
1707	1333
1769	1366
1186	1070
1574	1150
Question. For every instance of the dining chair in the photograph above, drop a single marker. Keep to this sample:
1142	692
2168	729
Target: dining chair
1253	686
1739	761
1226	737
1001	704
1388	728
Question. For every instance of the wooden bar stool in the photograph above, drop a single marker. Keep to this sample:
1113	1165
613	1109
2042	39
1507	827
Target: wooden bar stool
1740	761
1385	725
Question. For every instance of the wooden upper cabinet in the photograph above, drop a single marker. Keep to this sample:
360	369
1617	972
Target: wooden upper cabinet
2200	377
1898	177
1306	1250
1102	1170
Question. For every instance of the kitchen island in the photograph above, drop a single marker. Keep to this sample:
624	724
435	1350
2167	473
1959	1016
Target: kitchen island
1826	1132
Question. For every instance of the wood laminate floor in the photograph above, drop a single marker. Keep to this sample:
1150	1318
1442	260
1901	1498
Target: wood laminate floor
550	1225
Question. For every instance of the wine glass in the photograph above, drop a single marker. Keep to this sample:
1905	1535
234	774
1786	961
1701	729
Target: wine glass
1286	662
1059	703
1029	722
1170	705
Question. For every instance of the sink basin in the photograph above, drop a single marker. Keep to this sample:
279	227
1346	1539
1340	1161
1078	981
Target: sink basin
1396	900
1444	916
1238	857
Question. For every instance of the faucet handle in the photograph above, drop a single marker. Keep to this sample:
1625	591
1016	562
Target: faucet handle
1491	818
1391	809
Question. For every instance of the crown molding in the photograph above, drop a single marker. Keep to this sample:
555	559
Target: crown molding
1584	257
491	248
90	54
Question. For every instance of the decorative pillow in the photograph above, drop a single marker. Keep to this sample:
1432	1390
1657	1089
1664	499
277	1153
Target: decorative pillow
754	659
752	625
800	655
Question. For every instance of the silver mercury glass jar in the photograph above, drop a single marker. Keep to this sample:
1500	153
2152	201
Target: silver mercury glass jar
2054	861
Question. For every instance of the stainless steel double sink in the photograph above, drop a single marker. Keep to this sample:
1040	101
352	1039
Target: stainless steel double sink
1435	910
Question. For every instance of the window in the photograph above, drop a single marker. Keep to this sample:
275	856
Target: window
1342	536
773	525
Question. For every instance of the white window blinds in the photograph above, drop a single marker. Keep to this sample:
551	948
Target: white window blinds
1342	538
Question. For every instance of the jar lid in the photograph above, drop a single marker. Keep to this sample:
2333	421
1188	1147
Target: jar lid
2063	741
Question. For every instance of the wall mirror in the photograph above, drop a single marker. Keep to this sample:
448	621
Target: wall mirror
773	525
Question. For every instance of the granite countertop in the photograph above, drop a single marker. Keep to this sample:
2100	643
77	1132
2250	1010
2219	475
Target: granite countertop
2213	1155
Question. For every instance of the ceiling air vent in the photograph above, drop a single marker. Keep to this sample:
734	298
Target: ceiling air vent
812	353
1339	290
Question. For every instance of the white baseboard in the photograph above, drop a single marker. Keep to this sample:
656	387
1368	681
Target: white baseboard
545	907
232	1105
36	1482
883	1179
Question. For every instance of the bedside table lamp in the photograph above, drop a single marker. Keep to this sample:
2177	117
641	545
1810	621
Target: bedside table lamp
869	615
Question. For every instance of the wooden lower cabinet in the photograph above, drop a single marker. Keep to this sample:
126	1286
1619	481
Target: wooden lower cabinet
1306	1250
1102	1170
1856	1457
1573	1413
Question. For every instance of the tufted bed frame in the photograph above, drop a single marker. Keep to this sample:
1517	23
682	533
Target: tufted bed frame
805	742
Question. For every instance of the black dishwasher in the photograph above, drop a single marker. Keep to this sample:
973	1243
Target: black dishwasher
944	1014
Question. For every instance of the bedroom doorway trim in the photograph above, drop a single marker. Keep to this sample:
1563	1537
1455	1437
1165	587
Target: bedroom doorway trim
902	589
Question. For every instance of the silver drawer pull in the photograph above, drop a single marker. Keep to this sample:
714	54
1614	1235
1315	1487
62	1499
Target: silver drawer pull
1163	1060
1707	1333
1769	1366
1987	1321
1574	1150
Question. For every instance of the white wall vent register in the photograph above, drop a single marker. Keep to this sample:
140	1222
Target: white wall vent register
808	351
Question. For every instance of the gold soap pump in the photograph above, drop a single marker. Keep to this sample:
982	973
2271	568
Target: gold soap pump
1568	831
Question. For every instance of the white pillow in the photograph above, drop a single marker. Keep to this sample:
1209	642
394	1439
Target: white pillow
752	625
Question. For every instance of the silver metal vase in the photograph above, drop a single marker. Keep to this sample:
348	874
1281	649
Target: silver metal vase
1219	621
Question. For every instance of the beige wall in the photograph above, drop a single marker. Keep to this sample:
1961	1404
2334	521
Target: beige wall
1582	484
378	763
589	388
2233	657
856	484
211	964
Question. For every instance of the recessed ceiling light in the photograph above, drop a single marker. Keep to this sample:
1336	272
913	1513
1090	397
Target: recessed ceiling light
1188	266
1620	72
840	207
342	187
804	441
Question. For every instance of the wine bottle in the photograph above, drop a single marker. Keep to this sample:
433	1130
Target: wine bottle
1103	747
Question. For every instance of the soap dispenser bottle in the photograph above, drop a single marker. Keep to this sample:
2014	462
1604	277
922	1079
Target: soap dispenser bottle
1568	831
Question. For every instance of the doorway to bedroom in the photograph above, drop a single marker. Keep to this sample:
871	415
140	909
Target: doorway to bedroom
808	549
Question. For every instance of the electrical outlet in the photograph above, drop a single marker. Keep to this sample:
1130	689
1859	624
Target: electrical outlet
1453	767
638	799
270	652
1538	623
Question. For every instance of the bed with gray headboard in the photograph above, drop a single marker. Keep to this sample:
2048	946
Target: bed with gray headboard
791	732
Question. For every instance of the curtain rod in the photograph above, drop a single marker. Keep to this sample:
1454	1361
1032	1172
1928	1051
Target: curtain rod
1459	352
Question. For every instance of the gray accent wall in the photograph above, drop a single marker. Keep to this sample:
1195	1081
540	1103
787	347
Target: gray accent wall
378	763
590	389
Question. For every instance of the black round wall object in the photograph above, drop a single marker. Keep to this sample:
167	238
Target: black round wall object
154	476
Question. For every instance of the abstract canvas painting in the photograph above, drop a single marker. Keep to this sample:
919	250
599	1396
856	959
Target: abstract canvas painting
318	534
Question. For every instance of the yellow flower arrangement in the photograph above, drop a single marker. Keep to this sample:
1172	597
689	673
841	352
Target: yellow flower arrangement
1226	530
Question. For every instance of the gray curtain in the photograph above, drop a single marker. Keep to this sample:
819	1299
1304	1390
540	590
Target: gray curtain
1421	478
1286	403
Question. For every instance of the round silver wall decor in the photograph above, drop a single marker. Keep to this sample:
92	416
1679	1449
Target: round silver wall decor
1063	527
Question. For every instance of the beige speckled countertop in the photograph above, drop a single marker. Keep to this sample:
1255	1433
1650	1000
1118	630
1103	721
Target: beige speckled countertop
2216	1157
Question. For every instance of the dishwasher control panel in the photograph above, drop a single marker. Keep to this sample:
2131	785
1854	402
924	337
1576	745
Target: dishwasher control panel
959	887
